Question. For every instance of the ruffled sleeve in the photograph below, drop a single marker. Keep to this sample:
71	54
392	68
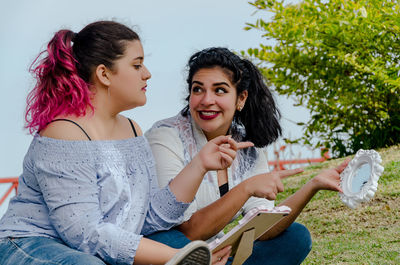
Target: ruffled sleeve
165	210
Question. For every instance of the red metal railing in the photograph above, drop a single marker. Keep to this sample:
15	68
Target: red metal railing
280	164
14	186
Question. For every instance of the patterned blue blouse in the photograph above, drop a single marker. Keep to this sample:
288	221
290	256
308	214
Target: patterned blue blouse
99	197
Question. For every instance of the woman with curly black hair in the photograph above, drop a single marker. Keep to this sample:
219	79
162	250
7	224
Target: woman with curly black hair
227	96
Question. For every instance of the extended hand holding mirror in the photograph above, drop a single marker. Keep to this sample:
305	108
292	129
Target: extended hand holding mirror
359	180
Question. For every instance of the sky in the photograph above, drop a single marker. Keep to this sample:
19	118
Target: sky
170	31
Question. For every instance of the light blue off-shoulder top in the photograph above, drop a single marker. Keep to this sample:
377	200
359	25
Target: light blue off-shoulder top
99	197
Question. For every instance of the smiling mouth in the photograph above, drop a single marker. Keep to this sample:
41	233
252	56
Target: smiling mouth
144	88
208	115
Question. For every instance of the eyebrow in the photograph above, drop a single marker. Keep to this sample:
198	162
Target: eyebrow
140	58
221	83
197	82
215	84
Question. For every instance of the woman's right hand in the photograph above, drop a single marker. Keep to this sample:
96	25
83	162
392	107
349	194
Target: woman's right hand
268	185
220	152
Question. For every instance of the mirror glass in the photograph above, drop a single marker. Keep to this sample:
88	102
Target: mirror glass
361	177
359	180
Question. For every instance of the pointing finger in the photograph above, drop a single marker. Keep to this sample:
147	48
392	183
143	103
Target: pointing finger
289	172
243	145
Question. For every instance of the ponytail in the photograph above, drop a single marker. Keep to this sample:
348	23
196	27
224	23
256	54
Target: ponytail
59	89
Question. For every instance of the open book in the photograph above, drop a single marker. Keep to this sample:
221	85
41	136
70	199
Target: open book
254	224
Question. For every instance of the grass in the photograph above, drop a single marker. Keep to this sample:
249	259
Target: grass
369	234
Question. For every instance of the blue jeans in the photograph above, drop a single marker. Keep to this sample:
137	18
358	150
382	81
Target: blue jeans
42	250
290	247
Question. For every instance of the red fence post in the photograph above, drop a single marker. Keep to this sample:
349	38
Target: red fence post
14	185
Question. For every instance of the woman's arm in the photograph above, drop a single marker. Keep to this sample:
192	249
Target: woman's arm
326	180
218	153
208	221
184	180
147	248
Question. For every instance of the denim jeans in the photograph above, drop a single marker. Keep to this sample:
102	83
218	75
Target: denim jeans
42	250
290	247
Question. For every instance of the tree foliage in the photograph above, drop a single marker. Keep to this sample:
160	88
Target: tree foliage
340	59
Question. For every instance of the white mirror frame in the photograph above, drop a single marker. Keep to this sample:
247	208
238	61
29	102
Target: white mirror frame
367	191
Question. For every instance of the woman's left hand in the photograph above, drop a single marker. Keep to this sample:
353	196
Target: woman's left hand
329	179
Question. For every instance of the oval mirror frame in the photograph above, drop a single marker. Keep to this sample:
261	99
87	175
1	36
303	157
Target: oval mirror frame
366	190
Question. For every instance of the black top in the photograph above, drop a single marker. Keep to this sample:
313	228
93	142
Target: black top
224	188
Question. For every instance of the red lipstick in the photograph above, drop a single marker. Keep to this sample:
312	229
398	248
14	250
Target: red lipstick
208	115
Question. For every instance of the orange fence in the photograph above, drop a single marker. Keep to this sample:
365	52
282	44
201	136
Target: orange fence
14	185
280	164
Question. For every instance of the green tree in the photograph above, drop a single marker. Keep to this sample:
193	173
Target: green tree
340	59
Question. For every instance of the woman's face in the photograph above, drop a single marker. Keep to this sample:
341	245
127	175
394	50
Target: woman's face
128	80
213	101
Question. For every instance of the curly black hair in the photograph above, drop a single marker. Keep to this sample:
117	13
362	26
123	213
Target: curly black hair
260	115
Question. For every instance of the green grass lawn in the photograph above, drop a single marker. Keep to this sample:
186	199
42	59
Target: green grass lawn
368	235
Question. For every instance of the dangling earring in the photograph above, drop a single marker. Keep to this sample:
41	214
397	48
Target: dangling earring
108	91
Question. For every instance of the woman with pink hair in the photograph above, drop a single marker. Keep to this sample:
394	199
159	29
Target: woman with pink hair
88	192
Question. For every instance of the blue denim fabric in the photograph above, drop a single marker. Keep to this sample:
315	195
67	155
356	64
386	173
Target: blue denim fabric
290	247
42	250
172	238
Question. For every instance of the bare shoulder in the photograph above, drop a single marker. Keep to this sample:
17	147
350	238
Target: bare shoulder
65	129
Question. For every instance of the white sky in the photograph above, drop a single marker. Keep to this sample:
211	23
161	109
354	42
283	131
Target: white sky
170	31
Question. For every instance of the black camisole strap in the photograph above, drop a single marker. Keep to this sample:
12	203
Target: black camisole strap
223	189
133	127
75	124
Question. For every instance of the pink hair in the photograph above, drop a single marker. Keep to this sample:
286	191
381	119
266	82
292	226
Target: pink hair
59	89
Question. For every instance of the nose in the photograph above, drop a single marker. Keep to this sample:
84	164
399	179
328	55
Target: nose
146	73
207	99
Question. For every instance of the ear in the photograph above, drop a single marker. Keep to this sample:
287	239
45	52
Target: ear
103	75
241	100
